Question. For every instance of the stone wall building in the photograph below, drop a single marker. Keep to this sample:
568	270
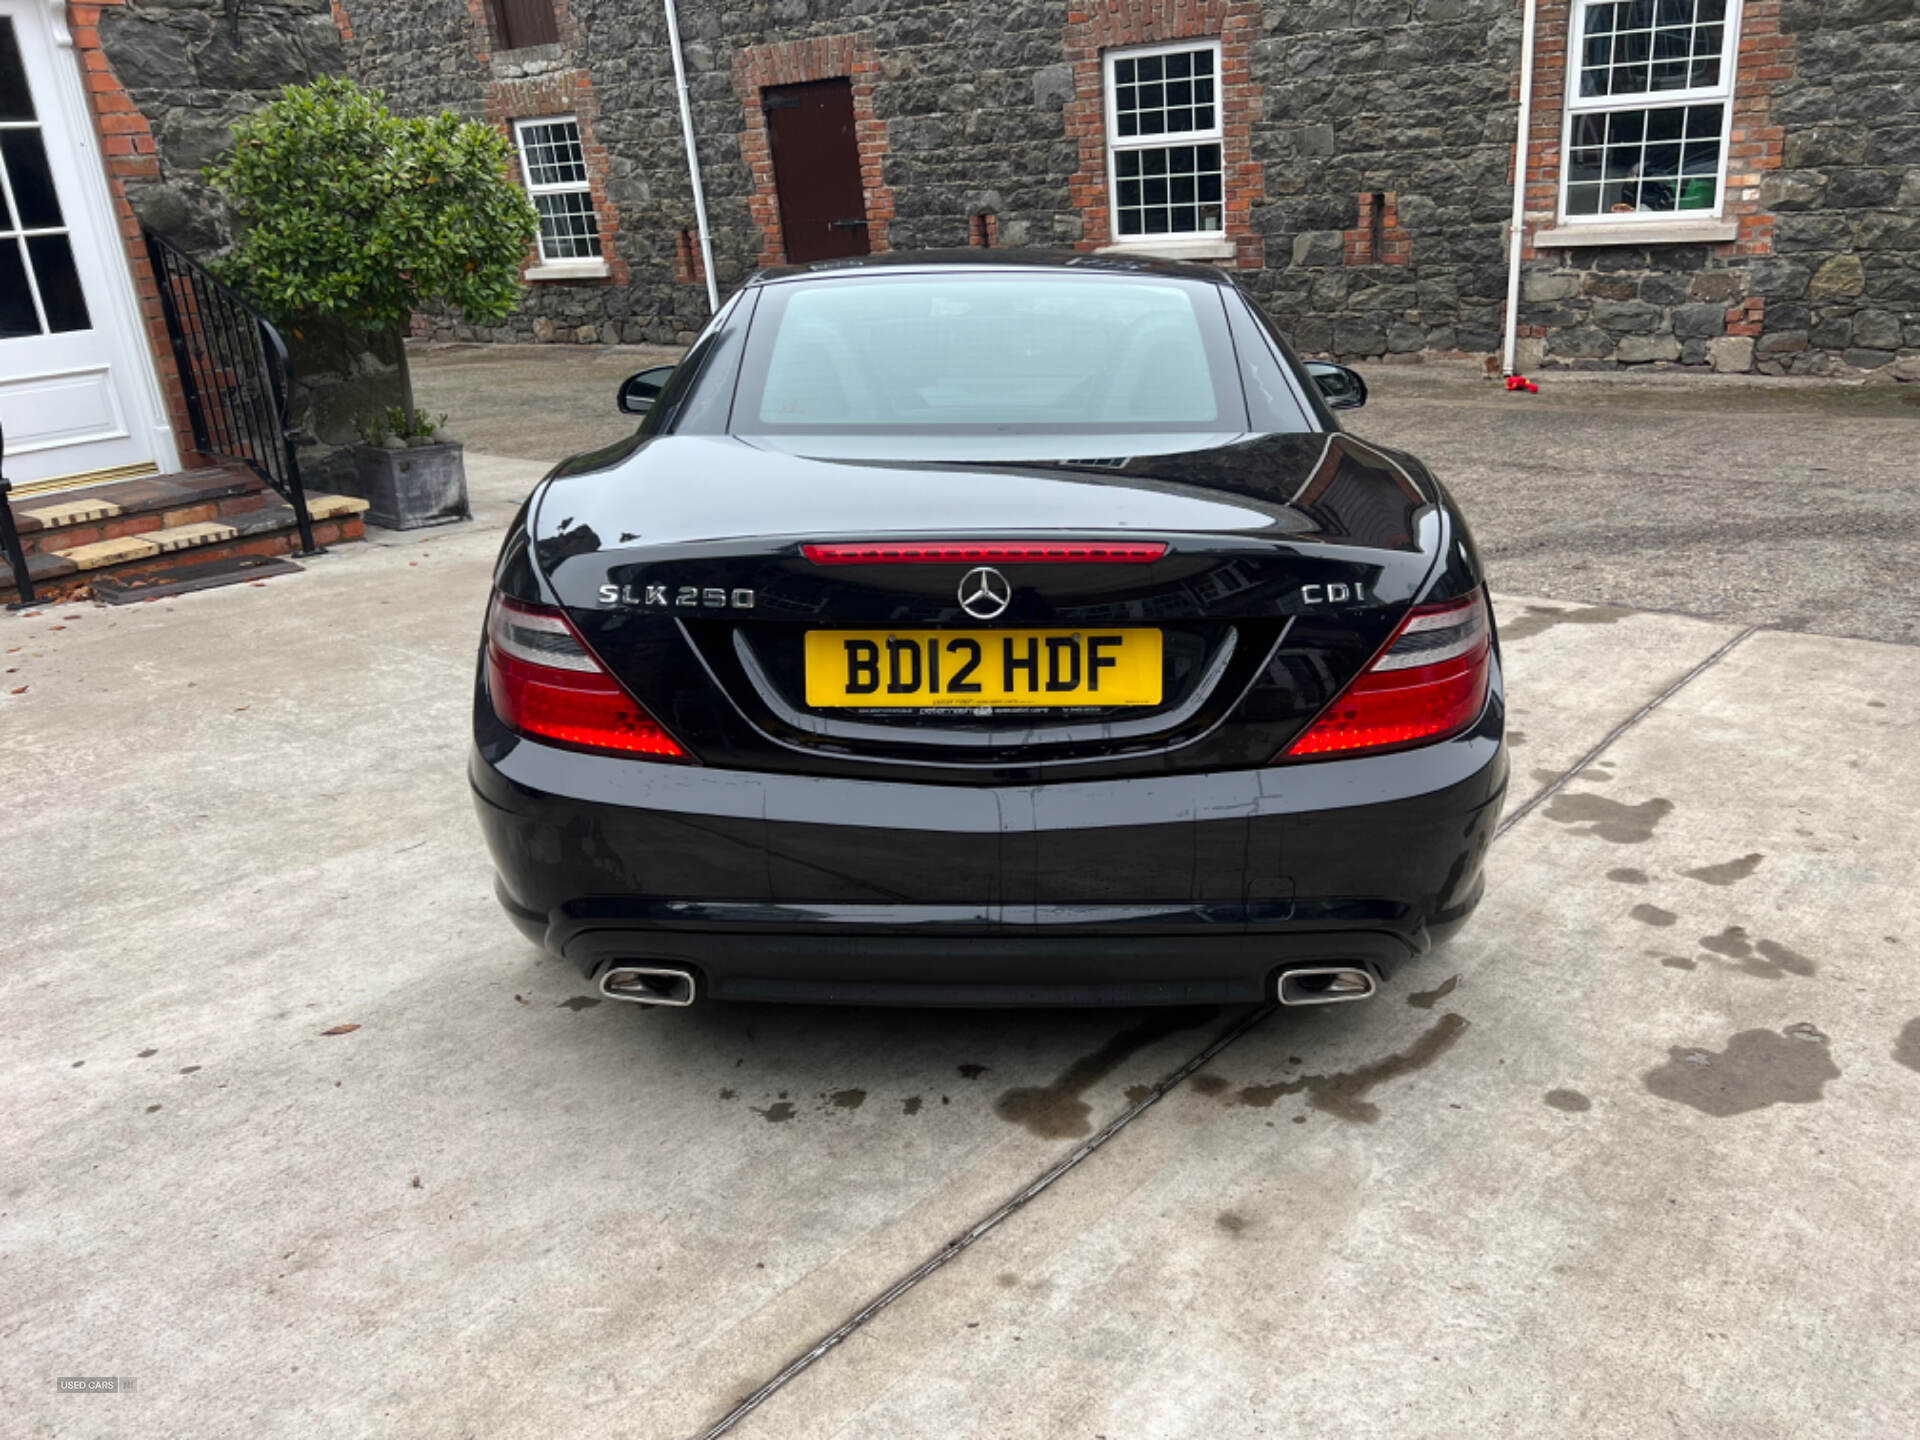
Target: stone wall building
1710	182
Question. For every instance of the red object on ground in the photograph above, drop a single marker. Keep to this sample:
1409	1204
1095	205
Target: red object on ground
1520	382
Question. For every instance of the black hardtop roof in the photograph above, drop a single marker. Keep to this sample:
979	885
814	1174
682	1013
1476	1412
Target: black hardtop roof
956	261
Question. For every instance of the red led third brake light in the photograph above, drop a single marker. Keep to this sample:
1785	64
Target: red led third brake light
989	552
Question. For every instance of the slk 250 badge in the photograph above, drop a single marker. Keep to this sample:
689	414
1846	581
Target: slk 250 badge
685	597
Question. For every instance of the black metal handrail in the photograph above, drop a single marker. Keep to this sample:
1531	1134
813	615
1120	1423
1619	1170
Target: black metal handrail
10	546
235	372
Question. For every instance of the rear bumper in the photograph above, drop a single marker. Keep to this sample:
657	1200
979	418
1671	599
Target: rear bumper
1171	889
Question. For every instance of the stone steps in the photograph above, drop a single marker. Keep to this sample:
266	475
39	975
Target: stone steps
139	529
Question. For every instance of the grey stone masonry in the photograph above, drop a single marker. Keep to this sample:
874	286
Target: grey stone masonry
1409	100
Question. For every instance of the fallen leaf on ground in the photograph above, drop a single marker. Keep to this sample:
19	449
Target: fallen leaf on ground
21	691
341	1030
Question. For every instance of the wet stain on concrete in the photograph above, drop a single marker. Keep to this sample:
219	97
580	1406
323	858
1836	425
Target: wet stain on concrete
1728	872
1537	619
1210	1084
1544	776
776	1113
146	1054
1571	1101
1907	1048
579	1003
973	1072
1344	1095
1757	1069
1516	737
728	1094
152	1108
1765	959
1137	1093
910	1105
848	1099
1599	777
1677	962
1653	915
1231	1221
1614	821
1427	999
1056	1111
1625	875
1006	1280
188	1069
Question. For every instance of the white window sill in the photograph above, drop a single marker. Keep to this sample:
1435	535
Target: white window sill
1175	247
1658	232
568	270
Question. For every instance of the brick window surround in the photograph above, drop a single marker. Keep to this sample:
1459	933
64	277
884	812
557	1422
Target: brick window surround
795	62
1754	143
537	97
1097	26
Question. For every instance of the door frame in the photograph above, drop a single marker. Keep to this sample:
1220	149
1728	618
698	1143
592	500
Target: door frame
79	150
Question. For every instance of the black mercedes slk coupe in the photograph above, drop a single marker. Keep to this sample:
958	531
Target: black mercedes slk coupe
989	628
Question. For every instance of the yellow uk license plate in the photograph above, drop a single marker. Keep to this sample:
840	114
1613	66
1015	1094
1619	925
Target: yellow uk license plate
959	668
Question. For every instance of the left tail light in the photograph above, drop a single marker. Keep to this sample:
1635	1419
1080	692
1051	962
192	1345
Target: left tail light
546	683
1428	683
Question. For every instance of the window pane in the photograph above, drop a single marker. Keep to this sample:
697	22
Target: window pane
569	229
1179	192
1583	199
60	294
17	316
1163	94
553	152
1646	45
32	180
15	101
16	302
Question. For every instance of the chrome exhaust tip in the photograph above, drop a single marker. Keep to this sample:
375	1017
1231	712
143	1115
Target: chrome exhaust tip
646	985
1326	985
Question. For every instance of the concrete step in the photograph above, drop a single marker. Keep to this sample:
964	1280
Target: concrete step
143	534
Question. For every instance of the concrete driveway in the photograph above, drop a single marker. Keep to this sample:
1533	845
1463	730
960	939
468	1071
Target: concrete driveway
1632	1156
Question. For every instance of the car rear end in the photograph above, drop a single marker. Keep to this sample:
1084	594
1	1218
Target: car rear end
1217	722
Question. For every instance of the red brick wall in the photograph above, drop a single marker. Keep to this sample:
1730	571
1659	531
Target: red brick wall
1755	143
1096	26
795	62
1379	239
127	148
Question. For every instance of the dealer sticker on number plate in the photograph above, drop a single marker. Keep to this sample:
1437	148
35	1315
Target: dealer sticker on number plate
957	668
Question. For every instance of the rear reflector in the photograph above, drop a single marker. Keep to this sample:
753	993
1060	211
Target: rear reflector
989	552
544	682
1430	682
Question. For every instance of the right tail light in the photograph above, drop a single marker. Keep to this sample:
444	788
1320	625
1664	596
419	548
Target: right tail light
1428	683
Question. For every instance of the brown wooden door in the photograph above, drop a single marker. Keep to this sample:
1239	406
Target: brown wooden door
816	169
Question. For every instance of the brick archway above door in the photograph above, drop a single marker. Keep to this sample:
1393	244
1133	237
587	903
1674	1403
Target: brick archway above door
794	62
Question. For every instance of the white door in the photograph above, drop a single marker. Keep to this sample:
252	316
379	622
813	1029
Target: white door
77	390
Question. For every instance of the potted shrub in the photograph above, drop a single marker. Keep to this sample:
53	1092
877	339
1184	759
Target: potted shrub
407	473
352	215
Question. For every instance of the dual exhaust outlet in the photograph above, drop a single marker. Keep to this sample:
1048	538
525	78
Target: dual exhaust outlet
1305	985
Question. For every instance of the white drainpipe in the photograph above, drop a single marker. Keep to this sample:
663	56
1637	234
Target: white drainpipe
1516	234
693	157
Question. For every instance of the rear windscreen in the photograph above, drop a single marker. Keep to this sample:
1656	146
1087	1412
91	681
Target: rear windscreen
997	353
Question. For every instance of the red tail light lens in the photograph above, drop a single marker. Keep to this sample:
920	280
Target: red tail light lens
989	552
1430	682
544	682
